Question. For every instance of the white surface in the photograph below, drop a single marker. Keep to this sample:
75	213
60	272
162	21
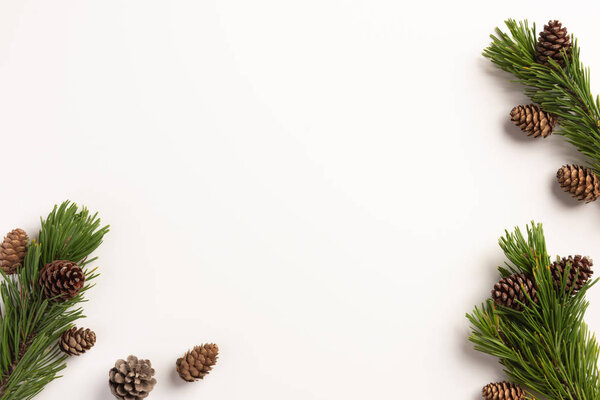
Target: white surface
317	186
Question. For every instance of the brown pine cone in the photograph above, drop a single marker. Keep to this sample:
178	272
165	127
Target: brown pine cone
502	391
582	183
554	41
13	250
512	289
132	379
198	362
61	280
532	120
77	341
579	273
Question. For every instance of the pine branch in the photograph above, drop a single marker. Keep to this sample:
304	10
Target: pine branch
564	92
31	324
547	348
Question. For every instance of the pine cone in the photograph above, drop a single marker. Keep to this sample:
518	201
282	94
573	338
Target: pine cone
531	119
551	44
511	290
198	362
62	280
582	183
77	341
131	379
503	391
13	250
580	272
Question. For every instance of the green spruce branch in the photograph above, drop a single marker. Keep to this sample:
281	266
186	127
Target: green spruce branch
547	348
31	324
564	91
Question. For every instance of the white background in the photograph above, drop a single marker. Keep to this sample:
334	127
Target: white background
317	186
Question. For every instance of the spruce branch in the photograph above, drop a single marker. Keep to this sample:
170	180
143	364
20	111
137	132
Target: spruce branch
562	91
31	324
546	348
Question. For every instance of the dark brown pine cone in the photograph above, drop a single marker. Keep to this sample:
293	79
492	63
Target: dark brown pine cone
579	273
582	183
77	341
502	391
13	250
61	280
512	289
532	120
132	379
554	41
198	362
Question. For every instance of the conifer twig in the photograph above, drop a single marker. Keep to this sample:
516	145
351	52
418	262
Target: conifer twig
31	324
563	91
547	348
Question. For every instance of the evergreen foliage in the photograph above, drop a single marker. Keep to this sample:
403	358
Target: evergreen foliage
30	324
547	348
563	91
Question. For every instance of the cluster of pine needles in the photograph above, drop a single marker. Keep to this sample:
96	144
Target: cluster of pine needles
546	347
560	90
30	324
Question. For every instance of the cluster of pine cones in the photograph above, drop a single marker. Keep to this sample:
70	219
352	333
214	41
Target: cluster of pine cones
60	280
518	291
133	379
555	44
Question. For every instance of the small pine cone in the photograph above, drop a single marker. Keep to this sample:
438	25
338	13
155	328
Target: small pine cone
13	250
61	280
580	272
503	391
77	341
582	183
553	40
132	379
532	120
198	362
512	289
